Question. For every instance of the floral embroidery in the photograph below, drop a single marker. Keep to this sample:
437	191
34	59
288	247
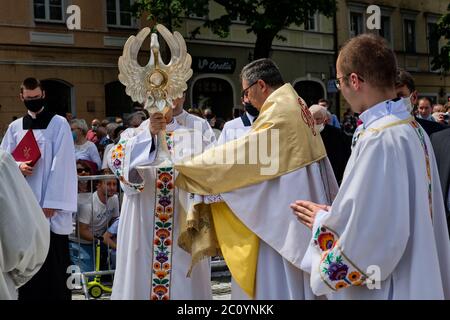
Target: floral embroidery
336	270
163	234
306	115
421	136
324	239
118	161
169	140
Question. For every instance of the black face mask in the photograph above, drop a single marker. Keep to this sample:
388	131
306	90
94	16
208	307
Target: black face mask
251	109
34	105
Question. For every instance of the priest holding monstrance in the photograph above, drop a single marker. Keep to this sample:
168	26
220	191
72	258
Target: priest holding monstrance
150	264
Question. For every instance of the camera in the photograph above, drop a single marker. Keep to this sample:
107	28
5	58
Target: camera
446	116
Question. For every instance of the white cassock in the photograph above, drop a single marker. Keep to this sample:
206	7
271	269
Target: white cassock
24	231
262	208
190	121
235	128
388	218
54	178
146	264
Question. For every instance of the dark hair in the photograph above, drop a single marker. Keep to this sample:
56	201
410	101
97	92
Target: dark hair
30	84
425	98
369	56
86	165
323	100
263	69
195	111
117	130
404	78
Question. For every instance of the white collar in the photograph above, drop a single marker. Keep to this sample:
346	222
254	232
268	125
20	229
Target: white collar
383	109
182	114
172	126
34	114
250	117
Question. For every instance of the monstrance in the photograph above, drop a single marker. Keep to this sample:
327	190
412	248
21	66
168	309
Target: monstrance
157	84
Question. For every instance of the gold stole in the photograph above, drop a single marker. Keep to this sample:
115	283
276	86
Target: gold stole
213	228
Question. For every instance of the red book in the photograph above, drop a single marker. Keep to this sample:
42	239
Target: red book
27	149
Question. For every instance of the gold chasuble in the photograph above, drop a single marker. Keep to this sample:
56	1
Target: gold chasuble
284	125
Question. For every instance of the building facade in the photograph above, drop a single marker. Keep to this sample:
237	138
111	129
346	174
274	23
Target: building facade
79	67
306	60
79	71
406	25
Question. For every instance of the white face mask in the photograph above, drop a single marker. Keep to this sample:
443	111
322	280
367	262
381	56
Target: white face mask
408	103
319	127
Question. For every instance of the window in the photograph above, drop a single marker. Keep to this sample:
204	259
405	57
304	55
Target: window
409	27
119	13
356	24
433	40
385	30
117	102
48	10
311	22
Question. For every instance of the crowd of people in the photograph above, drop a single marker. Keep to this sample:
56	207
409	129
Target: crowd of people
380	176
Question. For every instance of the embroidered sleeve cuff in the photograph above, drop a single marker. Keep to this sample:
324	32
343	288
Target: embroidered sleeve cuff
336	270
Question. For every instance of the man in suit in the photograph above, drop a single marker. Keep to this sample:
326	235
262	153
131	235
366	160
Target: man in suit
441	146
405	87
336	143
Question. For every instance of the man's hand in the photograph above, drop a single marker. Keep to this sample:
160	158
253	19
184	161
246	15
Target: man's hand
441	118
157	123
26	169
306	211
49	213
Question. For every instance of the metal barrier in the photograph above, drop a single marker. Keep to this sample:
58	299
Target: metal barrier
218	266
93	288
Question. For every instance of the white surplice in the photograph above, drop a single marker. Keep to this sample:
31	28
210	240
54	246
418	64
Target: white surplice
388	219
234	129
24	231
265	209
54	178
135	239
190	121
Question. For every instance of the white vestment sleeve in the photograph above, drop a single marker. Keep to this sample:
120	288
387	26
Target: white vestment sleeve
62	185
209	137
24	230
129	153
368	224
9	143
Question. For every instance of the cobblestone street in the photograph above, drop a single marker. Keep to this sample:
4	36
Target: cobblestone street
220	283
221	289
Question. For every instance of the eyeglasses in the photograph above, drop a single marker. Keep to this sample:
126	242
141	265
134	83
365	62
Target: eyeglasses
244	92
337	82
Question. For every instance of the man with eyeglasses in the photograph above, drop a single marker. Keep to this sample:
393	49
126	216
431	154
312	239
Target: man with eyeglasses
262	243
53	179
386	228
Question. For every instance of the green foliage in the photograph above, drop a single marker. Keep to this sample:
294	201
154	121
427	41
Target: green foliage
264	18
442	60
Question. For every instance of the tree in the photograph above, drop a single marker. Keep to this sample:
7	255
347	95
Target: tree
442	60
265	18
